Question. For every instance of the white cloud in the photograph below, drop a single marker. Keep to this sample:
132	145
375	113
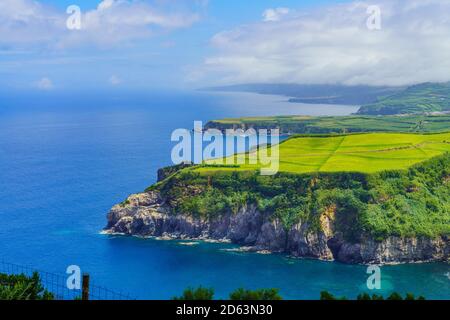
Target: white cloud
115	80
333	45
28	23
105	4
275	14
25	21
44	84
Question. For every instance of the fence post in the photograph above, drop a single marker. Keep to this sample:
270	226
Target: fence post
85	288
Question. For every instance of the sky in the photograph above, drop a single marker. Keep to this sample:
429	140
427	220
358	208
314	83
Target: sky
179	44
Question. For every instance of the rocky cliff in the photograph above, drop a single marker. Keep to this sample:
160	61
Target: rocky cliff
149	215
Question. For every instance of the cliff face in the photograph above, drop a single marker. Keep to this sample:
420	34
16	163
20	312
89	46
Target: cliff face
148	215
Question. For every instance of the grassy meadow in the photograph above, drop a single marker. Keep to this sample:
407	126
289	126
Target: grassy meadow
365	153
339	124
420	98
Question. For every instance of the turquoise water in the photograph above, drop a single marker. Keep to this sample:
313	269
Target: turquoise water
65	160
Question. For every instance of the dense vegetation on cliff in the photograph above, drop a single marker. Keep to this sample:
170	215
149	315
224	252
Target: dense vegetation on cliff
340	124
410	201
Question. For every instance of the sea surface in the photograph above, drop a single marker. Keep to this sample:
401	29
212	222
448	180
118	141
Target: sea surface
66	159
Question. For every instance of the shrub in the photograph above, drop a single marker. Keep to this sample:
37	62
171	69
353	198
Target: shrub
22	287
199	293
262	294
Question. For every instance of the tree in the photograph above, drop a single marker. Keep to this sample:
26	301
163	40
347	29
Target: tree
22	287
200	293
395	297
364	297
262	294
376	297
326	296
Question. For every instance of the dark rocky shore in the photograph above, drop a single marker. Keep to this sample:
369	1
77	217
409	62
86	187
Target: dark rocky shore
148	215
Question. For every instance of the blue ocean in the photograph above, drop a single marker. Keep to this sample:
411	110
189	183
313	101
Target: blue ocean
66	159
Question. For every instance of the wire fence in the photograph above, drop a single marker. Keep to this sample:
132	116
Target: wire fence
57	284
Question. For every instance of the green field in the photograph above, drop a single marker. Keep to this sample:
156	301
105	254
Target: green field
425	97
340	124
365	153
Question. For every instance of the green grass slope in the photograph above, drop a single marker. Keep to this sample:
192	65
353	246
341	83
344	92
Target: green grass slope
421	98
340	124
365	153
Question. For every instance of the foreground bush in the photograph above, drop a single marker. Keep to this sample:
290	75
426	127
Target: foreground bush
326	296
203	294
200	293
263	294
22	287
241	294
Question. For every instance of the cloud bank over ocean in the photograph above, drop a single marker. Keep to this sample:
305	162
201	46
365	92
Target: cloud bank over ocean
333	45
27	23
197	43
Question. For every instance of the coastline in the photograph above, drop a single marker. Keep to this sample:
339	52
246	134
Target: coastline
250	250
147	216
